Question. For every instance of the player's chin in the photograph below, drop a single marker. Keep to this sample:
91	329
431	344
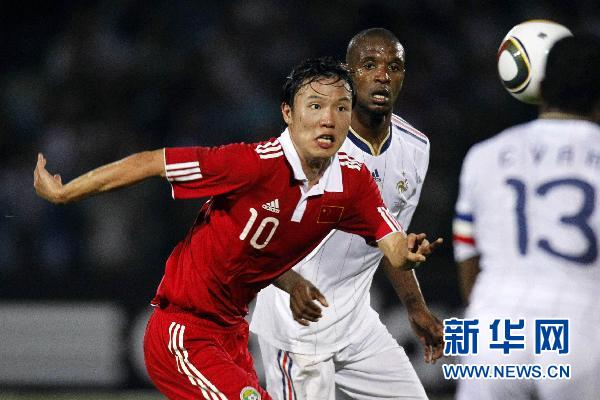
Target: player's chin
320	152
380	108
326	153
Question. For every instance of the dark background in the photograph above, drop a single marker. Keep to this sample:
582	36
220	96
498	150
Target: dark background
91	82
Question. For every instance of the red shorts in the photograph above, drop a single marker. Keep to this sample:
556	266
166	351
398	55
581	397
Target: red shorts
192	358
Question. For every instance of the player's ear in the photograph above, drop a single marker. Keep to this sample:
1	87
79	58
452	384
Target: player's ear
286	112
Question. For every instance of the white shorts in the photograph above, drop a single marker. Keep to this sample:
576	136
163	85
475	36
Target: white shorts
374	368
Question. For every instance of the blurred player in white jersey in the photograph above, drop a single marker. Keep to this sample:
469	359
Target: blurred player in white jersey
527	227
348	346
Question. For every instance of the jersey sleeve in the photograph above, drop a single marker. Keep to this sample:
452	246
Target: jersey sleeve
464	219
421	166
368	216
209	171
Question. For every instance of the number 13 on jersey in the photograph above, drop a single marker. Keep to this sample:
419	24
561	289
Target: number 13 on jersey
579	220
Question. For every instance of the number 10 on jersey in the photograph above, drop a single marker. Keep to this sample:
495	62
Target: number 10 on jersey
272	222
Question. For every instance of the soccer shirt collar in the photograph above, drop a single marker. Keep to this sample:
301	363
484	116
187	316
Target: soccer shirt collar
331	181
366	146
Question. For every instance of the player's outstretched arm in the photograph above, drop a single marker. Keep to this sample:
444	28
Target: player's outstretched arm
426	326
401	250
118	174
302	297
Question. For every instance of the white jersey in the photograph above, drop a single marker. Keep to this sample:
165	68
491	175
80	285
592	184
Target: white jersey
529	205
343	265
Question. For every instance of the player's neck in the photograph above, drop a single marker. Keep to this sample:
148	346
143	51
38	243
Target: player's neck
314	169
373	128
554	113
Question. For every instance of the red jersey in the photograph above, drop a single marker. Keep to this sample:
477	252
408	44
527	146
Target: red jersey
260	221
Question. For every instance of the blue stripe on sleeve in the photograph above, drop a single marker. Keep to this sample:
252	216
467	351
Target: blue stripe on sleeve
464	217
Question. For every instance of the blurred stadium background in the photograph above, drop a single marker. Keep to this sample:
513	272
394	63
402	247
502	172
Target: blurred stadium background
90	82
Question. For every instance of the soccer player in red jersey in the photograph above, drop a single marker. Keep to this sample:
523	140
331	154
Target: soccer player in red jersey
271	203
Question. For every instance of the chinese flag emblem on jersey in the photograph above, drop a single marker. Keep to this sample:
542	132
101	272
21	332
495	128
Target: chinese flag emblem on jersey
330	214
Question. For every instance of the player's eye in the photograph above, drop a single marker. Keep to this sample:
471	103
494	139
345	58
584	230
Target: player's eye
395	67
369	65
315	106
342	108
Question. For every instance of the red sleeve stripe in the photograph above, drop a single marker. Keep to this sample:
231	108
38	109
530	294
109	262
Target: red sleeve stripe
463	239
389	220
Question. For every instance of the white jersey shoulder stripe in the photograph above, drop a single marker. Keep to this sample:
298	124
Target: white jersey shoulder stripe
351	165
348	161
186	178
268	144
345	156
269	150
181	172
271	155
187	171
274	142
185	165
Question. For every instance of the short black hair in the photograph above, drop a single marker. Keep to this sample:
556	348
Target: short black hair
311	70
369	33
571	82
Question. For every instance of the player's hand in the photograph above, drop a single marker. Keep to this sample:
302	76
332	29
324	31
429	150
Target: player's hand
302	302
419	246
47	186
430	331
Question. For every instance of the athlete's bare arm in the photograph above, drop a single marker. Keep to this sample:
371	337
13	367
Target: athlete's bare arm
467	274
118	174
426	326
406	252
302	295
305	310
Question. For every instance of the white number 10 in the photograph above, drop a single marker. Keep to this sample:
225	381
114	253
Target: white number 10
259	230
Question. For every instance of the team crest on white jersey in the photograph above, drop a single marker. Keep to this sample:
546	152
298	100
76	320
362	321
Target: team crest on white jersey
272	206
402	184
249	393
